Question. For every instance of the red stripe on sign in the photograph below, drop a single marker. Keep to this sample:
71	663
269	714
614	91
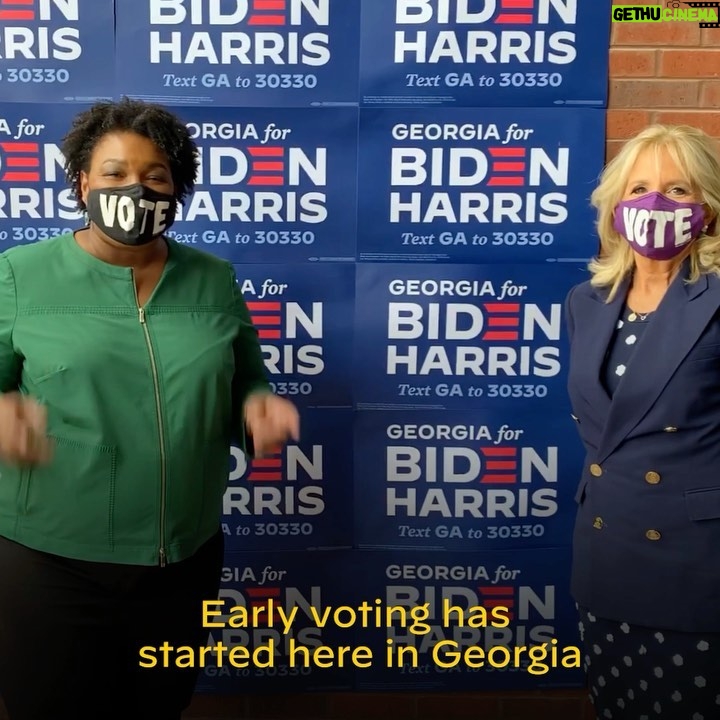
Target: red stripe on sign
269	334
17	14
517	4
262	592
268	4
267	166
266	151
17	2
268	320
266	20
502	307
255	306
496	589
495	479
499	335
19	147
508	167
499	451
22	162
21	177
506	181
270	180
264	477
499	602
501	465
503	321
507	151
513	19
266	463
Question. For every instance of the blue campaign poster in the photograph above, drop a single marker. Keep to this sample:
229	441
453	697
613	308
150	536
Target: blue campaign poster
275	185
270	624
304	323
299	498
452	185
246	53
56	51
473	621
462	336
485	53
458	480
35	200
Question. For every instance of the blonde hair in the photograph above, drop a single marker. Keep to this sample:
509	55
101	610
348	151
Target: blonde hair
696	154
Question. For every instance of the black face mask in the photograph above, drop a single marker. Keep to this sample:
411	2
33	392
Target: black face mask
132	215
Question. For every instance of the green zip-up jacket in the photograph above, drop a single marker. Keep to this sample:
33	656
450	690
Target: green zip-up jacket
143	403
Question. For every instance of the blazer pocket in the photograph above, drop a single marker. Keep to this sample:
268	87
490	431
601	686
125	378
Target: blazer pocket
703	504
580	492
710	351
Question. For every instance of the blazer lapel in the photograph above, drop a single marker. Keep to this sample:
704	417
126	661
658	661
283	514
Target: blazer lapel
598	325
681	317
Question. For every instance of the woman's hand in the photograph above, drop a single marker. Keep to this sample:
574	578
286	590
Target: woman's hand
23	428
271	421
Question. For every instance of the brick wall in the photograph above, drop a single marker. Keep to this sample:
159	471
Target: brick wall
662	72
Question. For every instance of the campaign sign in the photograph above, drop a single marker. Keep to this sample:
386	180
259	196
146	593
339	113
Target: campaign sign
478	621
35	200
450	185
304	324
272	622
485	53
298	498
462	336
261	53
56	50
452	480
274	185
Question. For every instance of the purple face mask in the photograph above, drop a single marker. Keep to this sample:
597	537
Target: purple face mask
658	227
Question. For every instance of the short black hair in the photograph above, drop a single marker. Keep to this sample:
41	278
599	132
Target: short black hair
154	122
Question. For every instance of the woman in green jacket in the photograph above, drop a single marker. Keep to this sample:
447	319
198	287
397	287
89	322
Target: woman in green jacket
128	366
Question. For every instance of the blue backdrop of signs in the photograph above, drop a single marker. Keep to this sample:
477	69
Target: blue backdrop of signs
296	499
275	185
239	52
483	53
302	324
452	185
53	50
451	480
461	336
298	584
35	201
461	590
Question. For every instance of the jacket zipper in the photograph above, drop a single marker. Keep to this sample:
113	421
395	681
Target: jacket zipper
161	426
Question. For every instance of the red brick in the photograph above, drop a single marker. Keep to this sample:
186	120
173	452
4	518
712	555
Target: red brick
459	707
353	706
672	34
625	123
632	63
684	64
215	706
542	709
710	94
653	93
299	707
707	120
612	148
710	37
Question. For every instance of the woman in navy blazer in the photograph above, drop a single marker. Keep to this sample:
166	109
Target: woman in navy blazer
644	384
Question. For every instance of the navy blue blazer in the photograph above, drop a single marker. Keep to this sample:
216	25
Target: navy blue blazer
646	543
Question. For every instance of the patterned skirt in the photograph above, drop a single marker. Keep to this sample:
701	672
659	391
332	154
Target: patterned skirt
640	673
